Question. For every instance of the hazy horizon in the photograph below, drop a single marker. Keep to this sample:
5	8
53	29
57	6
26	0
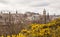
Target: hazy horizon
37	6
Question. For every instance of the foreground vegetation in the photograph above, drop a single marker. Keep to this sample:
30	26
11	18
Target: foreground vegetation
51	29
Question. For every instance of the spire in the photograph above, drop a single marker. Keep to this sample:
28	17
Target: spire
44	16
9	12
54	14
44	12
16	11
47	15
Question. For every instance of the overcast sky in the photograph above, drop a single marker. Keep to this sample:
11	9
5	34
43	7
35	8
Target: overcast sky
51	6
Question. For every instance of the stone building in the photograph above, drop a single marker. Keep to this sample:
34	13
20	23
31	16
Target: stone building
38	18
45	17
13	23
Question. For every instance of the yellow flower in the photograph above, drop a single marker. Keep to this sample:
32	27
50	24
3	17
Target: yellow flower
13	35
21	35
8	35
2	36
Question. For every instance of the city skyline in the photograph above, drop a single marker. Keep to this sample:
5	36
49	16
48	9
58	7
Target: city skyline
51	6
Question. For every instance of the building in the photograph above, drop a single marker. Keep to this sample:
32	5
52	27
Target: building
13	23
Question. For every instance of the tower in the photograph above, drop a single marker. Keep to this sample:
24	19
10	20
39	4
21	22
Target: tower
44	16
44	12
48	17
16	12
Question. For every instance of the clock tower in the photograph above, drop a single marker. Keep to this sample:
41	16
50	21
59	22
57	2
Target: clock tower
44	16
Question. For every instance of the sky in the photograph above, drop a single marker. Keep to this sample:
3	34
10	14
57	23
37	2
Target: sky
37	6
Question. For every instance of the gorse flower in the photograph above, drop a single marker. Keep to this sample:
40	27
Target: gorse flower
51	29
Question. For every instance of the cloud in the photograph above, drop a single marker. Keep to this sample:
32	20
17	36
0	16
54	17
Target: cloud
40	5
31	5
3	1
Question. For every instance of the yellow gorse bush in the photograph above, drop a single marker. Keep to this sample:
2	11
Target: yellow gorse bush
8	35
2	36
51	29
